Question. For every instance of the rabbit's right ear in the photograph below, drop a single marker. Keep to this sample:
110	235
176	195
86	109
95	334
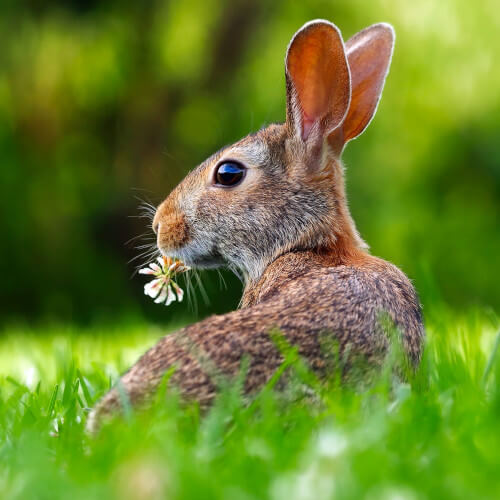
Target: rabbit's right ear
318	82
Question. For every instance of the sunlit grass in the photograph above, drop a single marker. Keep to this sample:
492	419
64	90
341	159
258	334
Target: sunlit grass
435	436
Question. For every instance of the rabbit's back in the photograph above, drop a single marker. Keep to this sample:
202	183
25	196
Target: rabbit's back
350	300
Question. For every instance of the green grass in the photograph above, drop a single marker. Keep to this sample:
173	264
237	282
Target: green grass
437	436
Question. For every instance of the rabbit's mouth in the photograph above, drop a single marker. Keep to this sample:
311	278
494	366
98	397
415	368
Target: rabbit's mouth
197	256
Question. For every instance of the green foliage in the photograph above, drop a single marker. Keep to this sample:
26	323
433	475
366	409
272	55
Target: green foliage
104	101
434	435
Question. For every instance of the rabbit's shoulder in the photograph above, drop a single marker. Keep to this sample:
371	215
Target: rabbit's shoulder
351	296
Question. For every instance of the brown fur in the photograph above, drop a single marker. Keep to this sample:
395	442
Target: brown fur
288	229
303	297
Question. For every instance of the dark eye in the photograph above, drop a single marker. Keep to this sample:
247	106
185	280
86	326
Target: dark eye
229	174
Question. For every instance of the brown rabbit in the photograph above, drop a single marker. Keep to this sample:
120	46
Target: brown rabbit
273	206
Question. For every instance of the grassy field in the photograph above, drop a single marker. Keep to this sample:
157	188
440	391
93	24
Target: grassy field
436	436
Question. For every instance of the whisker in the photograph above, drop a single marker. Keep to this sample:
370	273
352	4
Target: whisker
143	254
146	205
147	240
147	210
147	258
146	245
192	303
145	236
236	272
142	200
149	217
222	281
203	292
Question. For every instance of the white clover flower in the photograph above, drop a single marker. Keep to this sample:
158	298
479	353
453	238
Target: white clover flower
163	288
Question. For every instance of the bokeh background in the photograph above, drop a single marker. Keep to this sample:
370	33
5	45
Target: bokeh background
105	102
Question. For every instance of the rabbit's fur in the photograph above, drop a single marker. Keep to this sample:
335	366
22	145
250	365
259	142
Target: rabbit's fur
286	226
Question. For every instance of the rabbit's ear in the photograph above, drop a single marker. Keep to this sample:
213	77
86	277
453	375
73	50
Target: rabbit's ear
318	81
369	53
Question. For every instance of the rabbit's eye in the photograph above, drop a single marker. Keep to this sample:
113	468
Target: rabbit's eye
229	174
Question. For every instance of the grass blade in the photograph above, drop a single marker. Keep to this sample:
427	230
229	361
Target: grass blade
52	401
491	360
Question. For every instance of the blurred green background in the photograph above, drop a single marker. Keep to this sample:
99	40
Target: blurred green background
104	102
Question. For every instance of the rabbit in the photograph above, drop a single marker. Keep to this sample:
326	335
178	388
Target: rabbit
273	206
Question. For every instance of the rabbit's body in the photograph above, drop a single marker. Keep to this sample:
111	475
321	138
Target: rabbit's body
273	206
310	301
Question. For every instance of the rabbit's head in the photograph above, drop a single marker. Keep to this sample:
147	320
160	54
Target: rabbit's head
281	189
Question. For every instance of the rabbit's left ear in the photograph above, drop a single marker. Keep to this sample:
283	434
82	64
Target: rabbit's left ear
369	53
318	82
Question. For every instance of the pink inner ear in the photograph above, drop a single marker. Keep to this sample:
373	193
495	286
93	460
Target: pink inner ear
307	124
317	67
